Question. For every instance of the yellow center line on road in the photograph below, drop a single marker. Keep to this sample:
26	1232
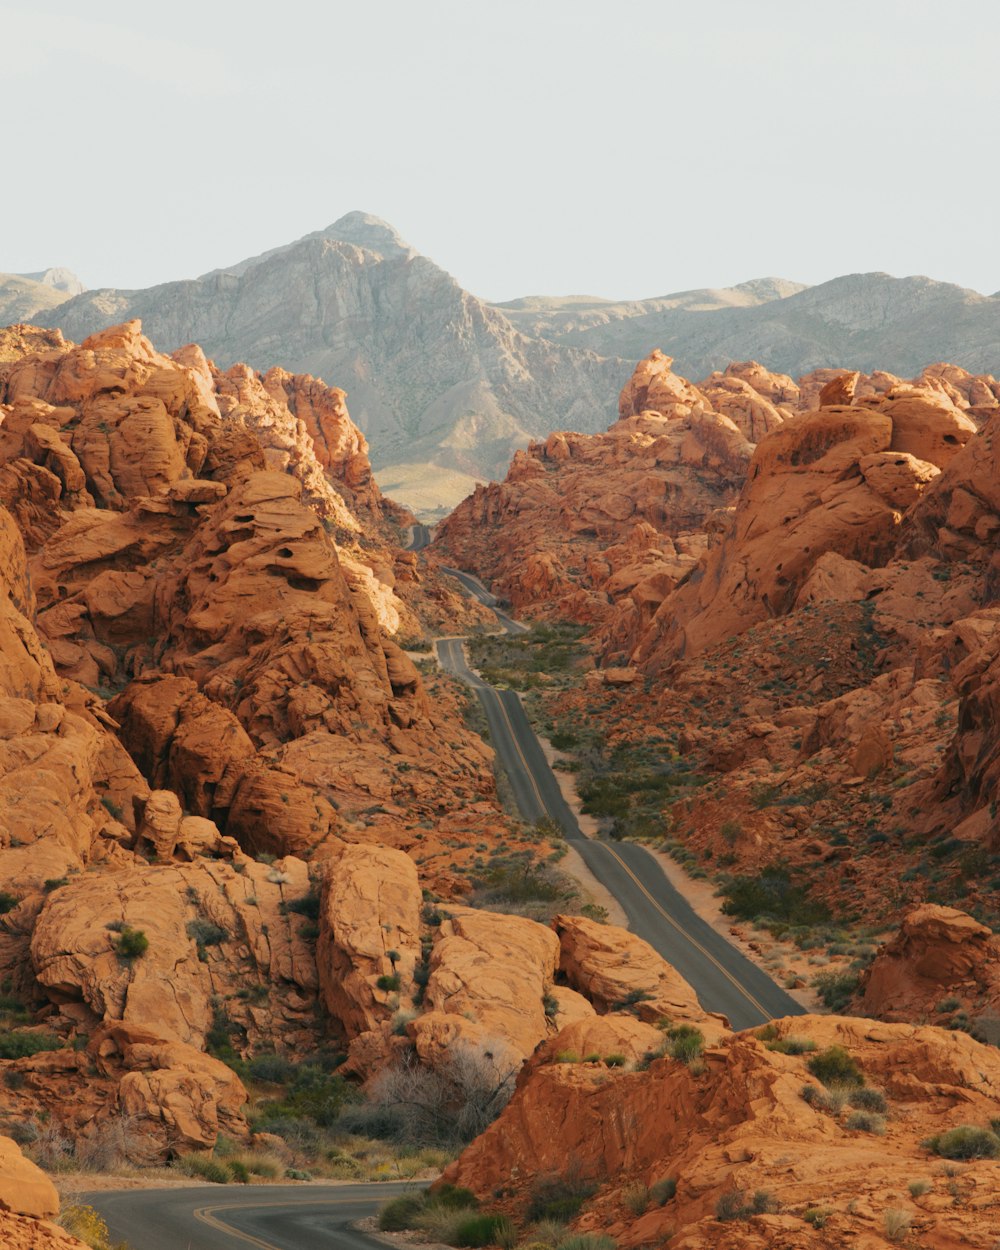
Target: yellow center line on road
684	933
206	1215
663	912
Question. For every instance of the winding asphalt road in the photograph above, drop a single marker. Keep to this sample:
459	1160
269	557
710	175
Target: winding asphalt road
232	1217
722	976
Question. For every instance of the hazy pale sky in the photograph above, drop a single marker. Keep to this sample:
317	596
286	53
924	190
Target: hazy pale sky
613	147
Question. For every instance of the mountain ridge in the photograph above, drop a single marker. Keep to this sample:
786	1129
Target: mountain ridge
446	385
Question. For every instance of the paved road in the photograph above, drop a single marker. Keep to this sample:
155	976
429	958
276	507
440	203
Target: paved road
232	1217
723	978
420	537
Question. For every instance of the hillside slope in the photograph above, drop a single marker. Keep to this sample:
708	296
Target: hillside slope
442	383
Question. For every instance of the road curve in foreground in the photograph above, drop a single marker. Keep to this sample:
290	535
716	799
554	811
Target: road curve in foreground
721	975
233	1217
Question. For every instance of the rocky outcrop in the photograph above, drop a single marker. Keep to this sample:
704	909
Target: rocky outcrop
493	970
834	481
369	939
594	527
940	961
615	969
737	1124
197	666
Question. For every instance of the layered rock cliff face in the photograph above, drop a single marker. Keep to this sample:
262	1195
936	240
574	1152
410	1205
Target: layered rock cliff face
823	658
209	736
744	1149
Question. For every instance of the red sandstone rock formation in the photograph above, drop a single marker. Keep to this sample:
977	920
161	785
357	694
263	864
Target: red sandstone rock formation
737	1123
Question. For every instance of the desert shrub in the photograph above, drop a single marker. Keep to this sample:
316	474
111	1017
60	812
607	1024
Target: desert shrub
685	1042
205	933
616	1060
948	1004
771	895
587	1241
257	1163
836	989
314	1095
8	902
636	1197
817	1216
400	1213
834	1066
131	943
866	1122
389	982
204	1167
20	1043
918	1188
238	1171
307	905
448	1106
485	1229
558	1197
866	1099
86	1224
790	1045
737	1205
968	1141
896	1223
662	1191
273	1069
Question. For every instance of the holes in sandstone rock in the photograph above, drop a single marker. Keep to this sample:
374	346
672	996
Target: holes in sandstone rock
950	438
244	517
304	583
286	553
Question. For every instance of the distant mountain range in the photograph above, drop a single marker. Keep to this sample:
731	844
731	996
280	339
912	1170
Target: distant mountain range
446	385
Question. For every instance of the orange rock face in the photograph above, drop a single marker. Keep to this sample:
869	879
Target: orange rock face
739	1124
198	605
601	527
940	960
612	968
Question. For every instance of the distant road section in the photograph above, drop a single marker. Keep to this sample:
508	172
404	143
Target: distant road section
723	978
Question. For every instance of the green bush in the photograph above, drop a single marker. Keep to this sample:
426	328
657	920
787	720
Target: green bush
273	1069
131	943
772	895
968	1141
834	1066
205	1167
836	989
485	1229
868	1100
866	1122
558	1198
400	1213
817	1216
8	902
454	1197
616	1060
662	1191
20	1043
314	1095
685	1042
238	1171
389	983
736	1205
587	1241
205	933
